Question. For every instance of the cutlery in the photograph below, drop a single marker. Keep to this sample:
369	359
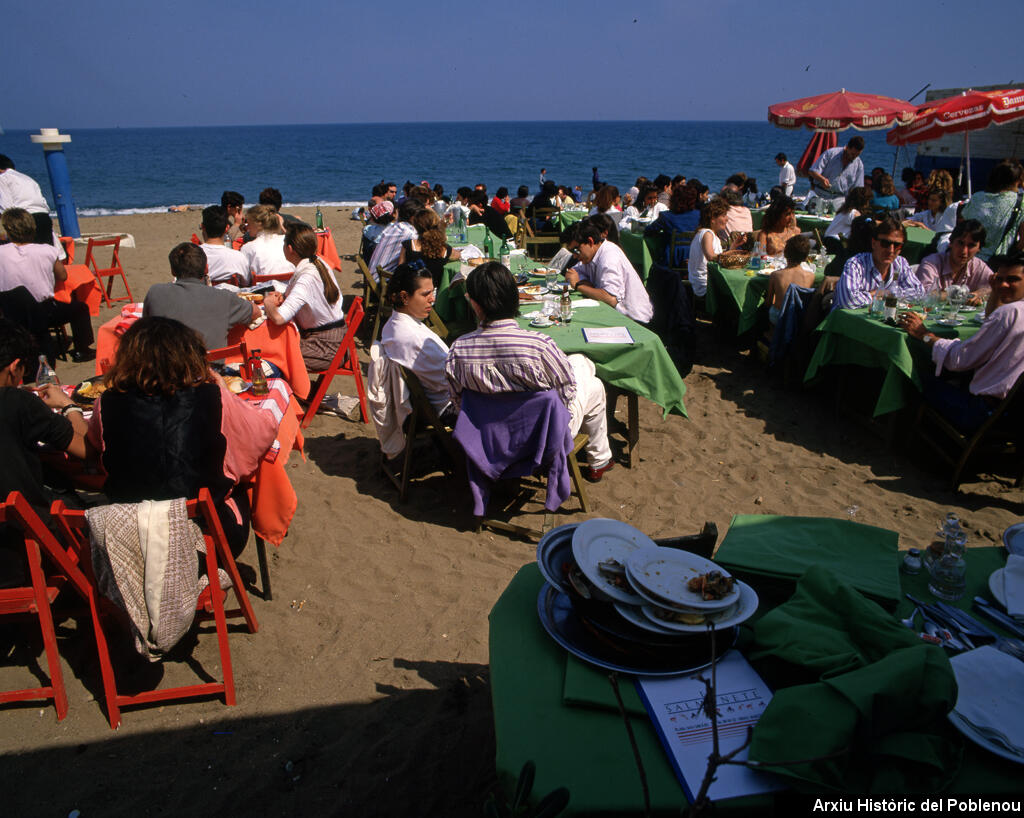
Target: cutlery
909	621
993	614
967	622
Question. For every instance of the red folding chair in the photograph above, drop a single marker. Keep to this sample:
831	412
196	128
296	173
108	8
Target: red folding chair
258	279
35	600
110	273
349	367
73	525
240	349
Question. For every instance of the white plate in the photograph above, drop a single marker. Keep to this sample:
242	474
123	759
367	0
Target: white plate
541	322
995	585
950	322
664	573
1013	539
968	309
734	615
601	539
635	617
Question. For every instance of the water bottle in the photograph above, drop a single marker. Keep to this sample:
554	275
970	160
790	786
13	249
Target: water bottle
45	373
889	304
319	219
877	308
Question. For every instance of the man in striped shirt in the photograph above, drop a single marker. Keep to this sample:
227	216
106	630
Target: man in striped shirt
500	357
389	245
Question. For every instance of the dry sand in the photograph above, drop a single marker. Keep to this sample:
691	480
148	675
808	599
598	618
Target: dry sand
365	691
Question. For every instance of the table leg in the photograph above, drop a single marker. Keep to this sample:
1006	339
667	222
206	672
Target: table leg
632	418
261	555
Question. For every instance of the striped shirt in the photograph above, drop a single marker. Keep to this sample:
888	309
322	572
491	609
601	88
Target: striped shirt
389	246
500	357
860	278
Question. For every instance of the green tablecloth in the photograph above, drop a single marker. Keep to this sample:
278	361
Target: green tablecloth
733	292
642	251
917	237
756	217
563	218
643	367
475	234
851	337
584	746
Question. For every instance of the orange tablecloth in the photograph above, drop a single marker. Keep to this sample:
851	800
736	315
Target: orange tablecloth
326	250
277	344
80	285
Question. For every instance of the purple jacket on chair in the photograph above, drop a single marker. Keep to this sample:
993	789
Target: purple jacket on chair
514	434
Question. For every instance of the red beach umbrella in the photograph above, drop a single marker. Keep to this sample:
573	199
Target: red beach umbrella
820	142
840	110
968	111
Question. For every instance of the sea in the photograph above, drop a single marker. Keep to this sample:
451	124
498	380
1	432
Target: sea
147	170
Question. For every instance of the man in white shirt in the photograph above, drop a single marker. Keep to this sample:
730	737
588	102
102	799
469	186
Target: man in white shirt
605	274
787	173
19	190
224	262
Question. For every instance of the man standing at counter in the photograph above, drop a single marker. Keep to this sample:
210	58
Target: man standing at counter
838	170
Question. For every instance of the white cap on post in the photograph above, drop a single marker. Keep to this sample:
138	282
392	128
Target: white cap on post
50	138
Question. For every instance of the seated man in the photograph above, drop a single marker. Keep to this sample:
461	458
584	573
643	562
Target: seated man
480	212
234	203
190	299
501	357
995	352
36	268
959	263
389	243
605	274
797	249
223	262
20	190
25	422
881	269
271	197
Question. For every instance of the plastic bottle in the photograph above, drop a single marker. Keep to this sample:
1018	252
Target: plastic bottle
45	373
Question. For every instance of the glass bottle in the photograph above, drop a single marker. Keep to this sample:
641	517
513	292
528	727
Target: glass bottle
889	307
936	548
45	373
259	379
319	219
949	572
506	254
565	306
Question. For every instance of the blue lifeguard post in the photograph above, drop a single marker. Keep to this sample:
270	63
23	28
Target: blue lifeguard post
53	141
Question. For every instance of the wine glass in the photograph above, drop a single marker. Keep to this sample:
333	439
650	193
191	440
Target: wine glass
932	302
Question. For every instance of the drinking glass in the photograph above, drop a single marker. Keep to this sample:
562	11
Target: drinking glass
955	297
932	302
550	278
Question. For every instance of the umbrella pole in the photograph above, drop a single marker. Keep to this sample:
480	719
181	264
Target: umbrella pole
967	152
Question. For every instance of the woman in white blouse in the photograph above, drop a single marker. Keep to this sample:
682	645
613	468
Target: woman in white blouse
312	299
265	253
706	245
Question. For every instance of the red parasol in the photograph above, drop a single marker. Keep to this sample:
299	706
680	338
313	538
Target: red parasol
968	111
820	142
840	110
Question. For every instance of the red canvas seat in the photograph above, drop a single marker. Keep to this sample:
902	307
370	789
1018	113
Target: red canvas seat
74	526
341	366
110	273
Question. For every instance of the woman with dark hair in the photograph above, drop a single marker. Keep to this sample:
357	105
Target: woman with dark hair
779	226
750	194
939	216
999	210
681	217
501	202
881	268
607	201
883	193
856	202
167	426
312	299
706	245
859	241
406	340
430	246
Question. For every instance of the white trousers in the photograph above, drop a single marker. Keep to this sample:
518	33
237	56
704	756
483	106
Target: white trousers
587	411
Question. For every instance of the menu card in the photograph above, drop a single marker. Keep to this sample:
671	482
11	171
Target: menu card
675	706
607	335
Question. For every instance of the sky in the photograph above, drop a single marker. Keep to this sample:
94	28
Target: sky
103	63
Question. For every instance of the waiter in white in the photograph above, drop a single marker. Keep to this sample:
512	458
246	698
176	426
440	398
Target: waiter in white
787	173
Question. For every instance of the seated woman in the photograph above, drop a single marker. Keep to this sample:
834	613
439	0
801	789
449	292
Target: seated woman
167	426
312	300
37	269
682	216
408	341
940	217
779	226
608	202
501	201
706	245
265	253
883	194
959	264
859	241
430	246
998	210
881	269
913	188
857	201
995	352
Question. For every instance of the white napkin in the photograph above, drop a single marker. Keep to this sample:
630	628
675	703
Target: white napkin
1013	585
470	251
989	683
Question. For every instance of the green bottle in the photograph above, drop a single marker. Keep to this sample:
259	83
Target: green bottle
319	219
506	254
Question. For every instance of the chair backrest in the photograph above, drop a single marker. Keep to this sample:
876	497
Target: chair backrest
109	273
436	324
258	279
241	350
383	303
679	245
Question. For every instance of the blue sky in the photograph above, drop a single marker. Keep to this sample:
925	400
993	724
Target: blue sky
102	63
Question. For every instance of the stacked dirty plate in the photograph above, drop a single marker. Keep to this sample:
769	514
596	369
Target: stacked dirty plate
616	599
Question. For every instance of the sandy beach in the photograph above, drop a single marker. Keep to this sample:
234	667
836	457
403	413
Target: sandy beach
365	691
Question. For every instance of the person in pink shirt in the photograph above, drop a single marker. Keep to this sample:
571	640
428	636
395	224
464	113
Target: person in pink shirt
995	352
959	264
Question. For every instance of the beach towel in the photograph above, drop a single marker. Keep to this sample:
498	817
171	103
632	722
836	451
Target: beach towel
145	559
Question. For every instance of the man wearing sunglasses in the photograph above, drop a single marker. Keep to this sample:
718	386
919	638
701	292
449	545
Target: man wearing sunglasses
881	269
995	352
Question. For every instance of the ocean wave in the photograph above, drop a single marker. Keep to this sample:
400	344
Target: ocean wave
85	212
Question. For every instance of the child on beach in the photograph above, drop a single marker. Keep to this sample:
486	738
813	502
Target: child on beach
797	249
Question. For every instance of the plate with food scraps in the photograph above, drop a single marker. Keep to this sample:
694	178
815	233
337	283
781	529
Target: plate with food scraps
554	554
89	390
635	616
533	290
679	578
682	622
236	384
601	547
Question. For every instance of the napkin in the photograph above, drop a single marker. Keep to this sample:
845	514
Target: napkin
989	682
470	251
1013	586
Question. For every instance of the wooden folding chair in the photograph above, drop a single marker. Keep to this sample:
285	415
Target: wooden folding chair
999	435
383	303
35	599
422	423
73	525
680	240
531	241
341	366
110	273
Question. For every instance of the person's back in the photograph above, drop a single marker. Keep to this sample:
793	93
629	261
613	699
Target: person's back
797	250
